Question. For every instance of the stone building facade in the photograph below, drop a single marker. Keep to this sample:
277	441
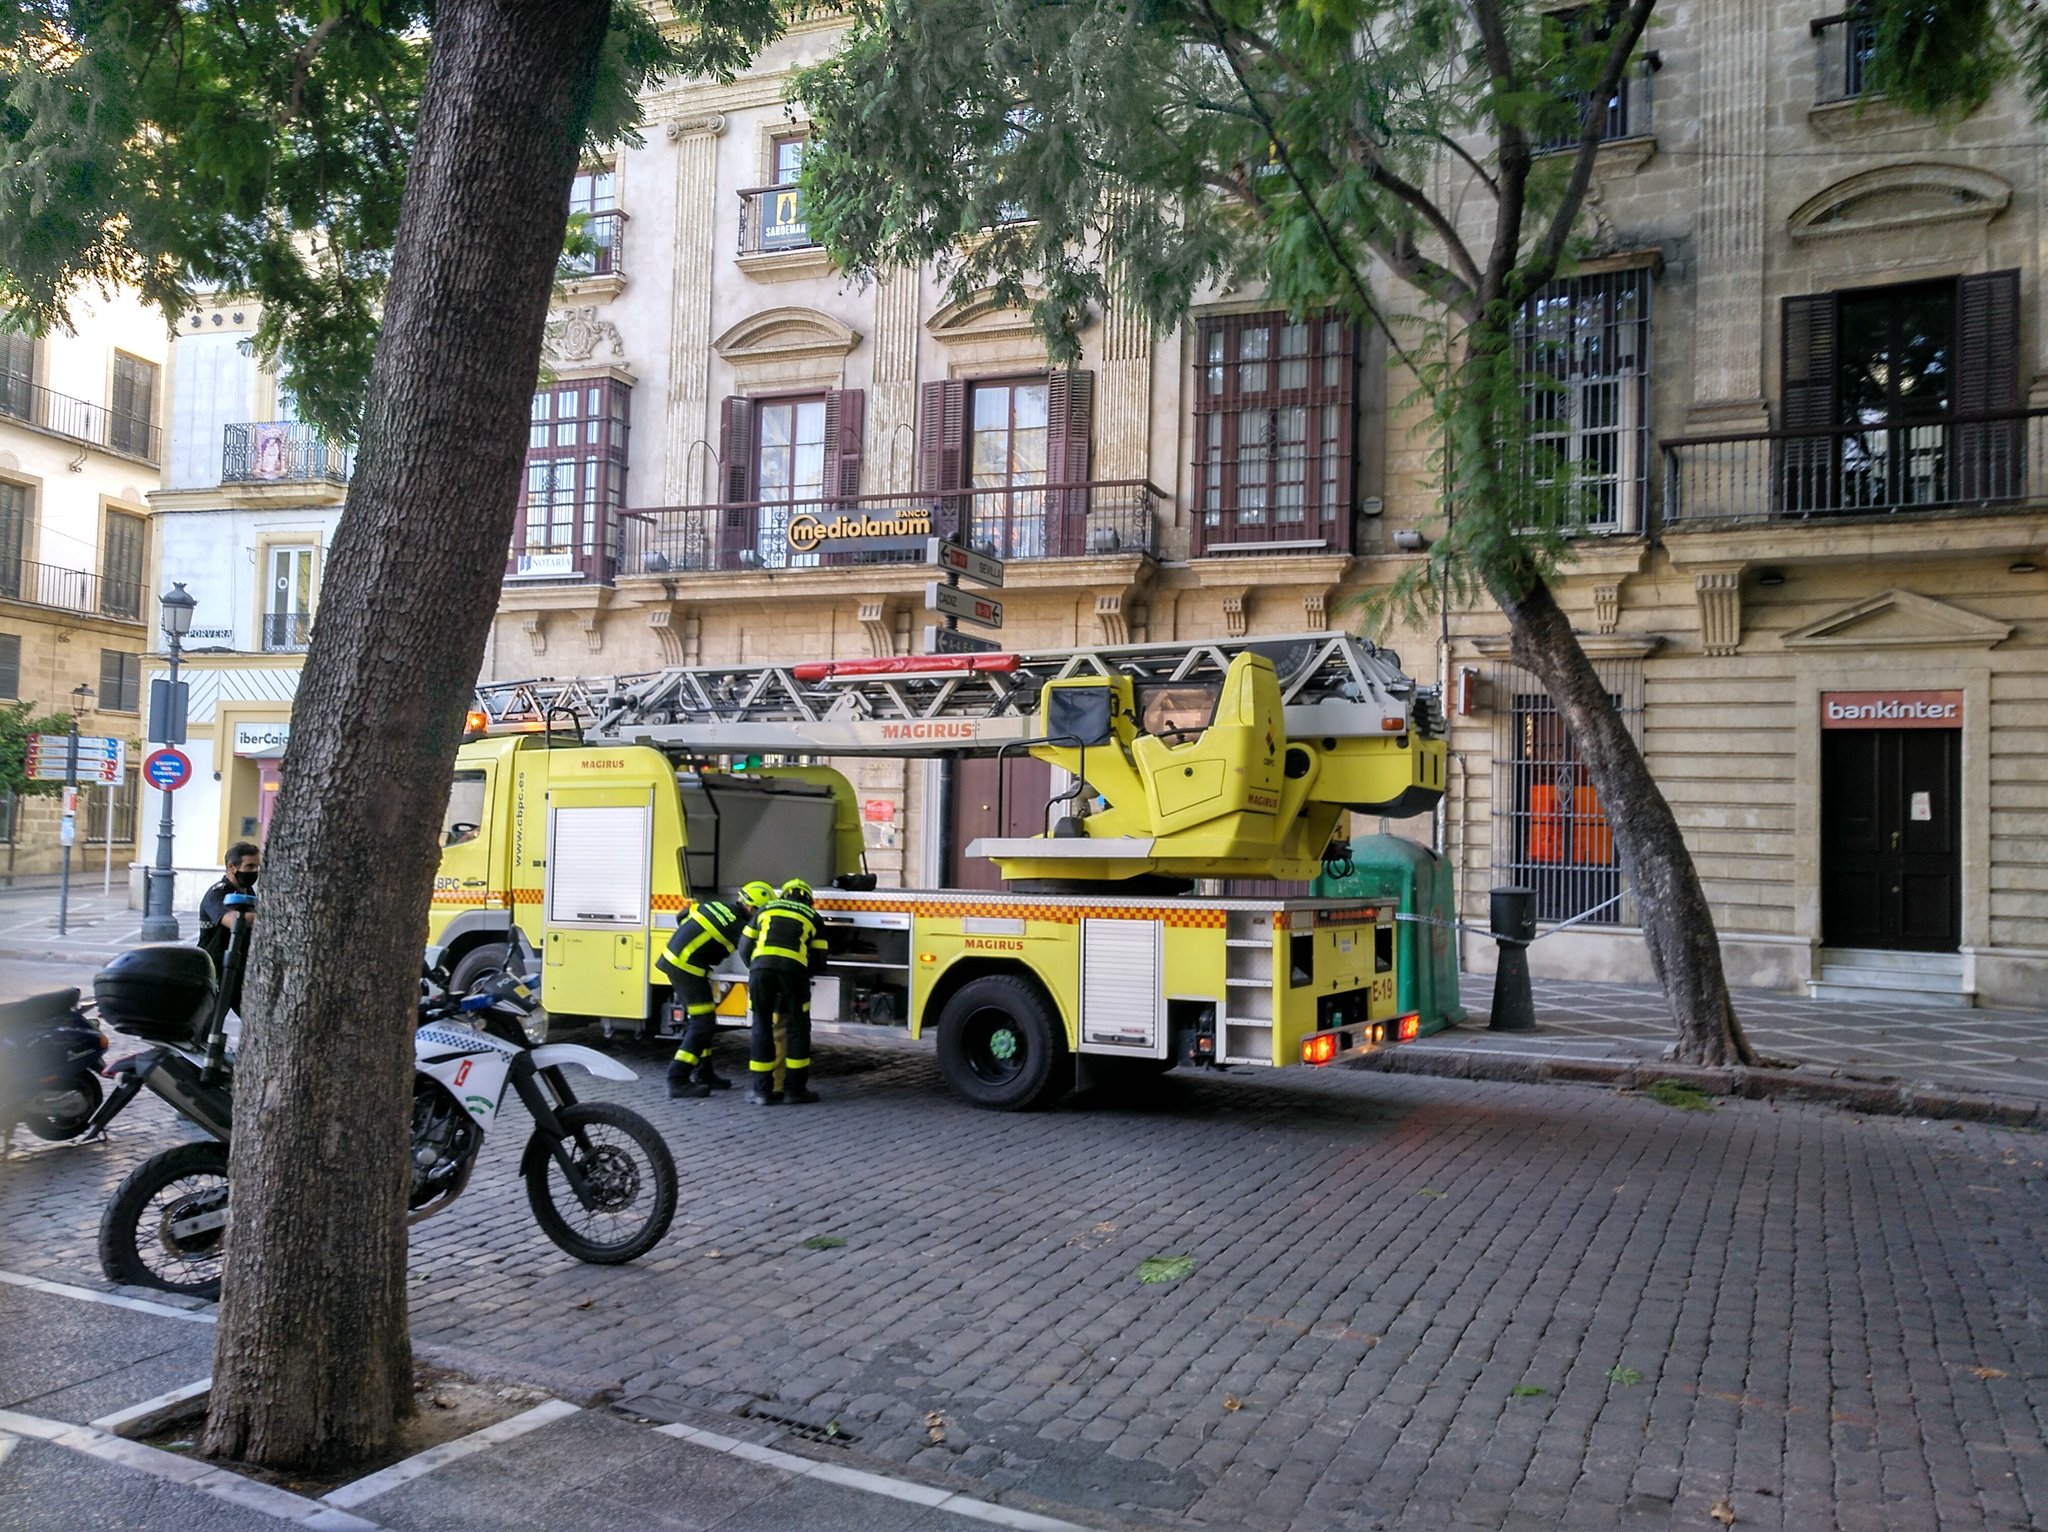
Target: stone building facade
249	504
1799	368
80	447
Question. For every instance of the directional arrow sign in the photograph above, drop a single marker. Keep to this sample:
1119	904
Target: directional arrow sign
964	561
100	759
952	641
955	602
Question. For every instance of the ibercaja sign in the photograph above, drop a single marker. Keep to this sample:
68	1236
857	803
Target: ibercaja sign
1891	710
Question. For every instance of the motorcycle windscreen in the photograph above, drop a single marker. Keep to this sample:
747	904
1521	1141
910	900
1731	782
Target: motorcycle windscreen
594	914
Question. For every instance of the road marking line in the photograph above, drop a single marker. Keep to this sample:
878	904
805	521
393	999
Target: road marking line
114	1422
873	1483
117	1300
190	1472
384	1480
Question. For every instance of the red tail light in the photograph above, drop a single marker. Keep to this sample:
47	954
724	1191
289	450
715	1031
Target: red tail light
1319	1050
1411	1027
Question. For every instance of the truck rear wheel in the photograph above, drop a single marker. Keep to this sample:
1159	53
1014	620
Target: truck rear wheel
1001	1045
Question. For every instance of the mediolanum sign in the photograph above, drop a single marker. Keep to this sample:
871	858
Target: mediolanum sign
1891	710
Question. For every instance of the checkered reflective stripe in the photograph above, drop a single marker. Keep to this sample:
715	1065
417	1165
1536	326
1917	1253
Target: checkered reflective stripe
1063	914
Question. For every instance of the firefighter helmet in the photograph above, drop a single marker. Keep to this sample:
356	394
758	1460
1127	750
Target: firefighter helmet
797	889
756	892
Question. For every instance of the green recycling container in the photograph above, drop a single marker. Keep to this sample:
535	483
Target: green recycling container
1425	953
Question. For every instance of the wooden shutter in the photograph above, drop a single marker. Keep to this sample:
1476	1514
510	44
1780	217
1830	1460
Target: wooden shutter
10	670
845	416
735	479
1069	419
942	453
1810	467
1990	460
121	566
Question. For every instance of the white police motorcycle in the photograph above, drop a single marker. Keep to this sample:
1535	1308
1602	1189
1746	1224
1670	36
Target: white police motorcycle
599	1178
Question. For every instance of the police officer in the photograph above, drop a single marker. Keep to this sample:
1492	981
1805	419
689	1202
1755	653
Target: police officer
704	938
781	944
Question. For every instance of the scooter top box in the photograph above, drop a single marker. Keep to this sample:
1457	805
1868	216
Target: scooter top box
163	994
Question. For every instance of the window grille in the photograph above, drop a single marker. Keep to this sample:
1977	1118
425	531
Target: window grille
1586	347
1550	831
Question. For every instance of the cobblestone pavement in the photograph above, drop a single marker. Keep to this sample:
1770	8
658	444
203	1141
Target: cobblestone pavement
1415	1303
1981	1050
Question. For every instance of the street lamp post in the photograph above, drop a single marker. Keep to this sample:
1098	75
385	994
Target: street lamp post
158	923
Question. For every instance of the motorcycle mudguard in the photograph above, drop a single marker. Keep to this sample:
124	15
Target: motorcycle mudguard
554	1055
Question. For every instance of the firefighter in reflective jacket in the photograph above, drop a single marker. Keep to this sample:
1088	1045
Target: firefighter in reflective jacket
705	937
780	944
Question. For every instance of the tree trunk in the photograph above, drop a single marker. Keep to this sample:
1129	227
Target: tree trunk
312	1361
1685	950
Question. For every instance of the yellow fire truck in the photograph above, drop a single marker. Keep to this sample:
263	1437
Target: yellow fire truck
592	812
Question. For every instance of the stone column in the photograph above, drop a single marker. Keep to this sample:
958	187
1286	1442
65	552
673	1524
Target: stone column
891	455
690	455
1728	329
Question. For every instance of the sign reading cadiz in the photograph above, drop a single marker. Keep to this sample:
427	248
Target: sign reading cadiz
859	531
1891	710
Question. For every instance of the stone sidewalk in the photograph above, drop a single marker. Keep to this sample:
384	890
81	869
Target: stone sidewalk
83	1374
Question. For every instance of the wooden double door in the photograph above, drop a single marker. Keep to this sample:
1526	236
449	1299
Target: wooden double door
1891	842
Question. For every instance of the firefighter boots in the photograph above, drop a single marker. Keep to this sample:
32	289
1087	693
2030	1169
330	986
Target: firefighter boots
796	1088
707	1078
682	1082
761	1091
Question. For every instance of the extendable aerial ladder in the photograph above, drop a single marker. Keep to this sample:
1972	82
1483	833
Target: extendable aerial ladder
1333	686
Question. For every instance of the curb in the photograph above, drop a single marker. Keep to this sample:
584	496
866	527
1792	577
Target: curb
1803	1083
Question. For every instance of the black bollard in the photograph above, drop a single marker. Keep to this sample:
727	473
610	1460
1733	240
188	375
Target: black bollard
1514	927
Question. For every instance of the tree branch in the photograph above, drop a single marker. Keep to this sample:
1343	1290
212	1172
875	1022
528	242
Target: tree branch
1511	188
1550	250
1485	176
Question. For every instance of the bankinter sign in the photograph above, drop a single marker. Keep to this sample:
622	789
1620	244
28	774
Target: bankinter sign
1891	710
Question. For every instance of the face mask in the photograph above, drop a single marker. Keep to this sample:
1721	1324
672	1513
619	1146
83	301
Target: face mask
245	880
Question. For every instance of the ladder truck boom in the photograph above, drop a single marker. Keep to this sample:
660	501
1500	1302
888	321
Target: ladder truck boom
1184	760
1331	685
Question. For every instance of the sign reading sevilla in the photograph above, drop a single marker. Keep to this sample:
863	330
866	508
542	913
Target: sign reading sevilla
1891	710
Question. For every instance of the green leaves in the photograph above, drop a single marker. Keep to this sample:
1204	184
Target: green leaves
19	722
1675	1093
258	148
824	1242
1165	1268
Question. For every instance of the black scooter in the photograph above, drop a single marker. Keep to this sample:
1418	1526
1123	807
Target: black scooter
50	1057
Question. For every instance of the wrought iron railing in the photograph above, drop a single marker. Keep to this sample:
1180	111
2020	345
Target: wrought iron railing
1881	468
772	218
70	590
1625	114
595	246
1843	47
286	632
29	402
1077	520
282	452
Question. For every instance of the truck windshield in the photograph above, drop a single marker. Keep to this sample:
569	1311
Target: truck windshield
465	814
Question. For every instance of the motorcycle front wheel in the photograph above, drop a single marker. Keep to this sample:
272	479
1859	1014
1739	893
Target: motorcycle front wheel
629	1176
167	1225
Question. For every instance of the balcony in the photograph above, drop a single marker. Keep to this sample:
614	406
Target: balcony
286	632
1099	519
595	247
1623	116
282	452
61	415
1953	463
1843	46
772	218
70	590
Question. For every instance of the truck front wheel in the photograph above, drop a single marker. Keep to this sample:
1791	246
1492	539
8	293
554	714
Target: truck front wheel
1001	1045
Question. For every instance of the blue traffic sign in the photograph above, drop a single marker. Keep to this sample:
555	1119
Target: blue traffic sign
168	770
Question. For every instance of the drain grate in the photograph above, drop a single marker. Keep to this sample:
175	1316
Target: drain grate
810	1431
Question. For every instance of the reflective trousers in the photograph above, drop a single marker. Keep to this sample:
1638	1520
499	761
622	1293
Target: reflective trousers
775	987
693	994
